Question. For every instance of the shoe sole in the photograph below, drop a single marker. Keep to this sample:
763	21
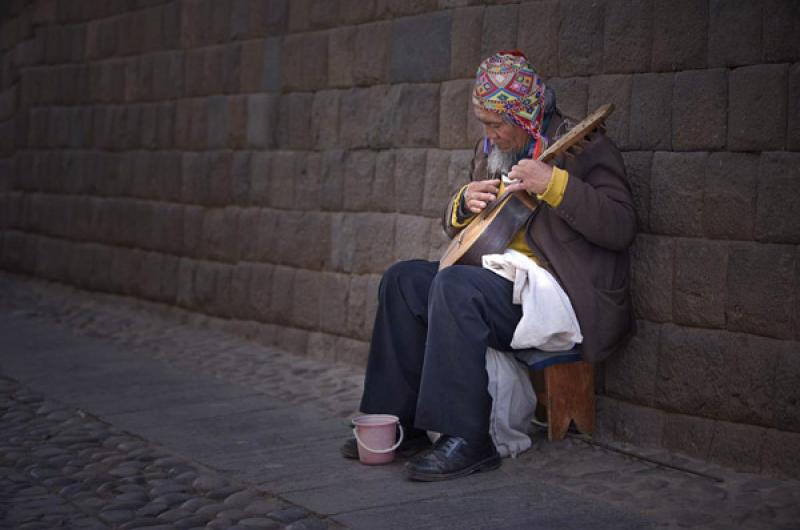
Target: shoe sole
484	465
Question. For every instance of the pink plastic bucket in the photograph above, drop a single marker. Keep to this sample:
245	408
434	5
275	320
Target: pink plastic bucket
375	436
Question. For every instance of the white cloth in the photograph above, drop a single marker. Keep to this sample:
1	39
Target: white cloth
548	323
513	403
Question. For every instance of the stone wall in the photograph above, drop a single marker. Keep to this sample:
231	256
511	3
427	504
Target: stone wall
261	162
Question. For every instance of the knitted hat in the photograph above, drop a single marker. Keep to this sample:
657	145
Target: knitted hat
507	84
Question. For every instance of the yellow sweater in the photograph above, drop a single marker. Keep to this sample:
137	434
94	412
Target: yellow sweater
553	196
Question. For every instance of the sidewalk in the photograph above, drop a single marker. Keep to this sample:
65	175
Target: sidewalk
120	414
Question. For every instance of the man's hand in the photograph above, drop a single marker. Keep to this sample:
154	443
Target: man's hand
533	176
480	193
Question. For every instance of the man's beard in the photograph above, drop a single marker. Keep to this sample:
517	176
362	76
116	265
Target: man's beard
500	161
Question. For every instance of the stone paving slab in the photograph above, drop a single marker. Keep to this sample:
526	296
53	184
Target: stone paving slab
509	507
578	483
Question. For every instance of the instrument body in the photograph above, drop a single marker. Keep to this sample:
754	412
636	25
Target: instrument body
494	228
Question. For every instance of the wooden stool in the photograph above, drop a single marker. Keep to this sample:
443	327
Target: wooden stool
564	385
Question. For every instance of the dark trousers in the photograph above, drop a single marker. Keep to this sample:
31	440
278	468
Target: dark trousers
427	358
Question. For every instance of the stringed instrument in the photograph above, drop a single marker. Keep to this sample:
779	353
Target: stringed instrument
494	228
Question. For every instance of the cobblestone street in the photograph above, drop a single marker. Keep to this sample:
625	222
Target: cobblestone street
124	414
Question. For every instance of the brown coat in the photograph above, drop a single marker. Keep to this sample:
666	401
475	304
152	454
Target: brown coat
584	241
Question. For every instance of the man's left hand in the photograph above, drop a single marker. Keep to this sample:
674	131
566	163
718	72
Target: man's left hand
533	176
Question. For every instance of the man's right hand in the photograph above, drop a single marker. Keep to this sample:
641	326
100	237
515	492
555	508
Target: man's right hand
480	193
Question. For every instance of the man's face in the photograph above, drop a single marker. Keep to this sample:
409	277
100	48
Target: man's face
505	136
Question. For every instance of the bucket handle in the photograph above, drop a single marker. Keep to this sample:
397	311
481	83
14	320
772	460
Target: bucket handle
380	451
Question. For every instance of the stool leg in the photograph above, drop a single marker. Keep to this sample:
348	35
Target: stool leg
570	397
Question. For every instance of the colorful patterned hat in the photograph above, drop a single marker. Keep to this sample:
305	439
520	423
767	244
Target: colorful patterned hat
507	84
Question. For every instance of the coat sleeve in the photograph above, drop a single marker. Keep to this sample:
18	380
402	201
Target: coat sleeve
597	201
477	168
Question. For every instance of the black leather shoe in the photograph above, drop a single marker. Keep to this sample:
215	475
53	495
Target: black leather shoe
453	457
411	445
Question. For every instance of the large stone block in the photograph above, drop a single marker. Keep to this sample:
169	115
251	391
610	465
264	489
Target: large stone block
308	182
465	43
786	403
699	283
631	373
779	34
651	112
356	11
231	68
793	130
734	37
729	200
780	455
360	243
359	177
294	120
580	38
351	351
778	198
194	72
258	234
282	294
383	199
268	17
273	59
165	125
194	182
149	126
218	122
761	289
306	299
357	306
325	119
409	180
412	39
691	371
237	122
738	446
262	120
615	89
219	230
372	53
652	273
252	66
688	434
680	32
260	296
628	33
333	296
354	118
332	166
437	190
214	63
537	35
757	108
219	189
699	112
499	31
676	195
629	423
637	167
305	64
309	244
454	106
281	180
293	71
220	16
411	237
416	125
341	50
